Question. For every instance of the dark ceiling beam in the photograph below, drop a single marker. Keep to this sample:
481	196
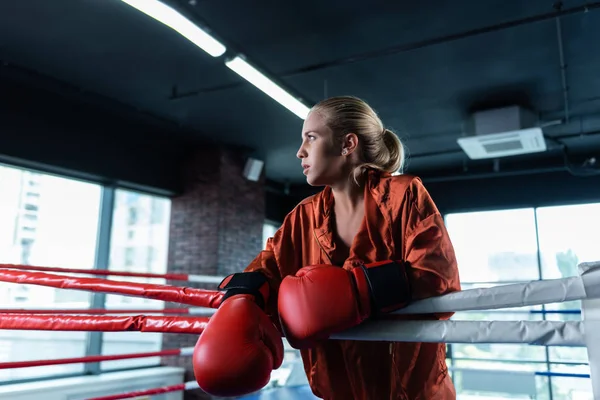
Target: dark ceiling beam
559	12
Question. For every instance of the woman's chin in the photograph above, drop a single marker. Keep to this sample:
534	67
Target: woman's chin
310	180
315	181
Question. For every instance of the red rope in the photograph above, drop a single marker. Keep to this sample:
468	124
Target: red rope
176	294
94	311
104	323
87	359
171	276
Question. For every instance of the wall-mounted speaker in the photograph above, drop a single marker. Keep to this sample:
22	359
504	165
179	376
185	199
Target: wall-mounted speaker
253	168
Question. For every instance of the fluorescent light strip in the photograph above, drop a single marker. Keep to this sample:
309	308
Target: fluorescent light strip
252	75
173	19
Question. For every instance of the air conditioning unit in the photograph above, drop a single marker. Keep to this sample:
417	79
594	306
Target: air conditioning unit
502	132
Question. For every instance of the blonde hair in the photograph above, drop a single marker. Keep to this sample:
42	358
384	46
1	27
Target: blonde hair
380	148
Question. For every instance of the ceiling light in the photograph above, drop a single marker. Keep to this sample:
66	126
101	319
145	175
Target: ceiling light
255	77
173	19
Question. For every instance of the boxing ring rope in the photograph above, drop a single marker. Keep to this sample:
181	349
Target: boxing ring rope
175	294
514	295
585	287
185	351
105	272
104	323
539	333
202	311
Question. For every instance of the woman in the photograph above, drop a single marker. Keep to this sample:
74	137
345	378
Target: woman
364	215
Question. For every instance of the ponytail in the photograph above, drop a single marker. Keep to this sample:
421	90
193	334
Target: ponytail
396	152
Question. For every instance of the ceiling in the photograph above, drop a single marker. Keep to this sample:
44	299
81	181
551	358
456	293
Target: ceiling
424	66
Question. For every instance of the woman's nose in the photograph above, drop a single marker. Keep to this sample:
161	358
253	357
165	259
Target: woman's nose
301	152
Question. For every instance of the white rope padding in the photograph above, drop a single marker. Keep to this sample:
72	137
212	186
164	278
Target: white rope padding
504	296
541	333
546	333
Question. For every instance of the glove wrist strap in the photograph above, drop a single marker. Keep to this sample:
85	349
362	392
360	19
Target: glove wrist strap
254	283
389	285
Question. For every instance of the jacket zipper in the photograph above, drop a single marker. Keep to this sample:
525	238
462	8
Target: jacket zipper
321	247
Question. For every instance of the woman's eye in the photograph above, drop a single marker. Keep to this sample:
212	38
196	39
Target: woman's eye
311	137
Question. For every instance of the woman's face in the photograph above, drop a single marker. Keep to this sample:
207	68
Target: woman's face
321	158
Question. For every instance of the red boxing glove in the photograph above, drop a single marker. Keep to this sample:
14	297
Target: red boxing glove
323	299
240	346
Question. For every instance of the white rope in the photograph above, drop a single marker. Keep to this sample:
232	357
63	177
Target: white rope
514	295
542	333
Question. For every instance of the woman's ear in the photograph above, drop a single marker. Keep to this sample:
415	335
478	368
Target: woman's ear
349	144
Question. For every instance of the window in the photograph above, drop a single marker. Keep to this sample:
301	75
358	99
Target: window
495	246
148	253
64	235
269	230
505	246
568	236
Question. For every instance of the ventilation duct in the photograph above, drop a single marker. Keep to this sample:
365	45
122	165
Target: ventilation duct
502	132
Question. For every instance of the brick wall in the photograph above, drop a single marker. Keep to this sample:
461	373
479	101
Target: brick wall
216	229
241	216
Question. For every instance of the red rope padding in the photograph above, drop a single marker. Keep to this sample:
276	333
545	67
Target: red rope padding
87	359
166	389
176	294
94	311
171	276
141	323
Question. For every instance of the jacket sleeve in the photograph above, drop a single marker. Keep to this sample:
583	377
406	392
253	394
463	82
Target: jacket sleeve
273	263
433	267
266	263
